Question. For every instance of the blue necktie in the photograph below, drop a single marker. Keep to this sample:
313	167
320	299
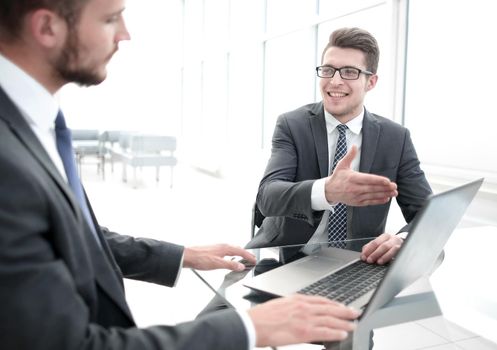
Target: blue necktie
337	221
64	147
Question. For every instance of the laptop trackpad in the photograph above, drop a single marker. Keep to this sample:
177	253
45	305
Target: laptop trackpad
316	266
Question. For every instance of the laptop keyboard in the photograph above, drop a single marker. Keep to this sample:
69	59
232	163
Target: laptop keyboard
349	283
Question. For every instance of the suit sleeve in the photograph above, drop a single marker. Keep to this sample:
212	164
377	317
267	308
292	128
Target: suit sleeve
280	194
217	330
412	185
145	259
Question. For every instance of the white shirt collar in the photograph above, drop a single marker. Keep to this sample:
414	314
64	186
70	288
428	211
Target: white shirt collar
354	125
37	105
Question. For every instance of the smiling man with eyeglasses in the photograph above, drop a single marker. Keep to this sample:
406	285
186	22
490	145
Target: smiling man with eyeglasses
335	167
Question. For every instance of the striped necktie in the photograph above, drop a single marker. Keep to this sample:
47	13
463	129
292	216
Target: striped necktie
337	220
64	147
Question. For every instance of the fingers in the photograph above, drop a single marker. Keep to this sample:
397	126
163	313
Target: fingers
213	257
382	249
330	328
358	189
232	265
369	189
329	334
389	255
323	306
373	198
299	319
326	320
369	248
374	180
246	255
229	250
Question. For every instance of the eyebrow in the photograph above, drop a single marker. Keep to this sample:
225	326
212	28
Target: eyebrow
116	13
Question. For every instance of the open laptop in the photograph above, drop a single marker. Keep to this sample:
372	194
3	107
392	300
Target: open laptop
430	231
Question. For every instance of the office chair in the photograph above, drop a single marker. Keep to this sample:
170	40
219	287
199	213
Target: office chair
257	219
86	143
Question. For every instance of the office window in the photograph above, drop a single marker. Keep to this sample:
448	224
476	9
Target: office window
216	25
193	28
284	15
245	98
336	8
192	101
450	90
246	23
289	76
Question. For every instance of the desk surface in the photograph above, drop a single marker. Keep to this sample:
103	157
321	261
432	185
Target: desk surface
470	302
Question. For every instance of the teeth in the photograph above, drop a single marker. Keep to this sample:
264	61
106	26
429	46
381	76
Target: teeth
337	94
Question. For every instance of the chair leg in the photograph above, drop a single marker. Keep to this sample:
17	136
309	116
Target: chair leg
157	173
78	157
103	167
171	178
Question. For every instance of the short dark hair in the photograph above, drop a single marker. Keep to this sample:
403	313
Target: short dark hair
12	13
359	39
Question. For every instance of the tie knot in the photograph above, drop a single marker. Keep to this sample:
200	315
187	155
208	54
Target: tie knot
342	128
60	122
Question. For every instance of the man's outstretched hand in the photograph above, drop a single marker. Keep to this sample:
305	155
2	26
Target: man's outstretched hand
357	189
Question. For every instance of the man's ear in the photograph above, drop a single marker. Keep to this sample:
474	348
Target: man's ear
371	82
47	28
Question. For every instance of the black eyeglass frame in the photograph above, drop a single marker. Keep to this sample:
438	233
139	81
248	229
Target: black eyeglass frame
339	70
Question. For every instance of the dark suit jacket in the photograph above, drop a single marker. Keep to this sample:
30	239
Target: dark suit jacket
300	156
58	289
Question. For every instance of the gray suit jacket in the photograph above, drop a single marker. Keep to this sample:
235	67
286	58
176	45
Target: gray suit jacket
58	288
300	156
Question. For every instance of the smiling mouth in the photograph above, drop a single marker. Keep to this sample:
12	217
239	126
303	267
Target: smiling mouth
337	94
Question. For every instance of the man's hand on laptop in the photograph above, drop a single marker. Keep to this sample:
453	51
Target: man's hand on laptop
214	257
355	188
382	249
301	319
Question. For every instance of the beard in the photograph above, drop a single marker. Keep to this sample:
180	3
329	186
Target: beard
66	67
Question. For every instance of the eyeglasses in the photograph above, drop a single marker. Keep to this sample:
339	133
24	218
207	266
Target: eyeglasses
347	73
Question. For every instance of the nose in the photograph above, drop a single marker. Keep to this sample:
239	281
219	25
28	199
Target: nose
336	78
122	33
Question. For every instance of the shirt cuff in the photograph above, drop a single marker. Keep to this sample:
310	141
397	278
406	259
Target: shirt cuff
179	269
249	328
318	198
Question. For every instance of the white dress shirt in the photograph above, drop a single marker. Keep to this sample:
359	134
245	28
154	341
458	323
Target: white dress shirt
36	104
318	198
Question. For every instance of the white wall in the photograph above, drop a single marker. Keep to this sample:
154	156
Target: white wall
450	91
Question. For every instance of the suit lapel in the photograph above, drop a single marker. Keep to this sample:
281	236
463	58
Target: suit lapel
370	137
21	129
319	134
104	267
